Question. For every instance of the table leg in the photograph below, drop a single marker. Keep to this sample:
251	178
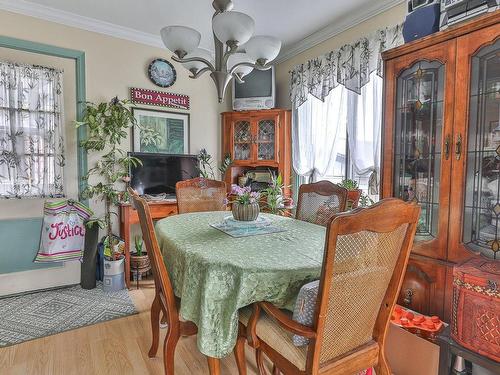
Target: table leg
213	365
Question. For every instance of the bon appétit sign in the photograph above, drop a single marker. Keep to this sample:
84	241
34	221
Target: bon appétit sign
159	98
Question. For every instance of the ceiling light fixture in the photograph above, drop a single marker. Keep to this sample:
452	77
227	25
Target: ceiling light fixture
237	53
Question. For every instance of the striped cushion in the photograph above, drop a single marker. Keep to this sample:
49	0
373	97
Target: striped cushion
269	331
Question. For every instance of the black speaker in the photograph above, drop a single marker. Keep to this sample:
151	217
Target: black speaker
421	22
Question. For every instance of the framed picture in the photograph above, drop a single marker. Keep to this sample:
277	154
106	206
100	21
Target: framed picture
162	73
172	129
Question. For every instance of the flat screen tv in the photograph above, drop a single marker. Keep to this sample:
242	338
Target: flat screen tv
159	173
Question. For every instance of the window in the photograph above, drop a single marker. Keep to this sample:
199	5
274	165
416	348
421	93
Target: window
31	131
340	137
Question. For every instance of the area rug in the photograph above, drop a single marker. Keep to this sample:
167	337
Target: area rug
31	316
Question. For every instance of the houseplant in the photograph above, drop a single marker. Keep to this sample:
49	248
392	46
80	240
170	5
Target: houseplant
107	126
273	195
206	168
245	206
139	261
353	192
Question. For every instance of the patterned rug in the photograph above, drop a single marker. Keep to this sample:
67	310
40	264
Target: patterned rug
40	314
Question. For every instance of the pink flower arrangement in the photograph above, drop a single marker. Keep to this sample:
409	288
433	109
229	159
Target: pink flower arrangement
244	195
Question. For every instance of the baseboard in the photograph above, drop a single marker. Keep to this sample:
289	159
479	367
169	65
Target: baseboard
27	281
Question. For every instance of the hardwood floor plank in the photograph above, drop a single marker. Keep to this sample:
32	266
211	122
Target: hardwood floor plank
117	347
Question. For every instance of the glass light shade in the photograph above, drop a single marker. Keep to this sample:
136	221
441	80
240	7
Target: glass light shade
263	47
180	38
233	26
239	58
196	65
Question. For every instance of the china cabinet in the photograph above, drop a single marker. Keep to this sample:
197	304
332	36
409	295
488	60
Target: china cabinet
257	140
442	150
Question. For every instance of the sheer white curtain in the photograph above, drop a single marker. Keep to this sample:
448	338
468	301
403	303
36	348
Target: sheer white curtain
31	131
364	126
315	134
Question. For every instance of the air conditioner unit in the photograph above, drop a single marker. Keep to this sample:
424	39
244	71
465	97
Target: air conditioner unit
454	11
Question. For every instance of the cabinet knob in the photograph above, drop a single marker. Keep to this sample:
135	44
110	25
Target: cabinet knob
458	147
409	293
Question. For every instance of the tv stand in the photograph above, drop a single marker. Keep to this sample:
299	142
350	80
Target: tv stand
129	216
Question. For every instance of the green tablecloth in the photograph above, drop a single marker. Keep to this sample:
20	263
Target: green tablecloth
215	274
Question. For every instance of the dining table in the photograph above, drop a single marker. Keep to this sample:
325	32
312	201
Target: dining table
215	274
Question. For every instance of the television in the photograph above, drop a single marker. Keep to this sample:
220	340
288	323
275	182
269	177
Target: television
159	173
257	92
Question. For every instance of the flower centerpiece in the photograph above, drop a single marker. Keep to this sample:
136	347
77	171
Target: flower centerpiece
245	204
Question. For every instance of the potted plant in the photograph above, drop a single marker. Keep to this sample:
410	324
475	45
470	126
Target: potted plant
245	204
274	200
139	260
207	170
353	192
107	126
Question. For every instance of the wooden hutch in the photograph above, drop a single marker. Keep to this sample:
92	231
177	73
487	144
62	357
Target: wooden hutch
257	140
442	149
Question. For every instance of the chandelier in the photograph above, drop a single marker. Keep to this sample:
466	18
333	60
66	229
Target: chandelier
237	52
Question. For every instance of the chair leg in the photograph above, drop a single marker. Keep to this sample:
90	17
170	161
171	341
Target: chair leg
169	349
276	371
239	355
382	367
155	326
213	365
260	362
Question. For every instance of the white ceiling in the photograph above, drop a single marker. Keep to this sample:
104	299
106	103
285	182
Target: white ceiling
289	20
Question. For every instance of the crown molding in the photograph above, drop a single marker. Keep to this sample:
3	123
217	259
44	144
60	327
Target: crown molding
81	22
332	30
91	24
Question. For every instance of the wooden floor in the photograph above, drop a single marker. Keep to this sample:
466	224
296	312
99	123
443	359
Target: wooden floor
116	347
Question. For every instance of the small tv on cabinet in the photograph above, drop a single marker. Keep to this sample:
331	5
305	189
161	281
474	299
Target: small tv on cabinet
159	173
257	92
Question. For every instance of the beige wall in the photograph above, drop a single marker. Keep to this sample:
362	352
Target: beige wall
390	17
112	67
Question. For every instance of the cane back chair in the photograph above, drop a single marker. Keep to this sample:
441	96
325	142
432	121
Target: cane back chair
165	301
320	201
354	305
200	194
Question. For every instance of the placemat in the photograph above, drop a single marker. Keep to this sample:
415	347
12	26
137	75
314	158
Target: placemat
246	229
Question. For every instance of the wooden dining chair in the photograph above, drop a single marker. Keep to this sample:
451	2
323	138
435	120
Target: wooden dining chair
165	301
354	305
200	194
320	201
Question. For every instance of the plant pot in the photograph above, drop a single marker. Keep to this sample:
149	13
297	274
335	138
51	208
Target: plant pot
89	261
353	198
246	212
114	274
140	264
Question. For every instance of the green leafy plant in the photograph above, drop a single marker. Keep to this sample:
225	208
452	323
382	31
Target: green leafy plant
206	168
138	246
349	184
274	195
107	126
365	200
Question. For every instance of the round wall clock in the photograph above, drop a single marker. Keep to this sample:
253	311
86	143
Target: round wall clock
162	73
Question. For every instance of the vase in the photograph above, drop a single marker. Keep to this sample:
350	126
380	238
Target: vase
353	198
245	212
89	261
140	264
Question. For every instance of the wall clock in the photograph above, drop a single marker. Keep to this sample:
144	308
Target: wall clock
162	73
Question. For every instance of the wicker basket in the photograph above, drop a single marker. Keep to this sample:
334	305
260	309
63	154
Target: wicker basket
140	263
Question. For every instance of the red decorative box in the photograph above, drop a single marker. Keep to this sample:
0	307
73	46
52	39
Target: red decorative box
475	322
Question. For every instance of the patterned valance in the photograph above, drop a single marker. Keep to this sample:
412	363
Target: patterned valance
351	66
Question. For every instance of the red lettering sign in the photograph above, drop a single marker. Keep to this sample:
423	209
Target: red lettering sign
62	231
162	99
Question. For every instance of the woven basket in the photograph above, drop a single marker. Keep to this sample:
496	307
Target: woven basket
245	212
140	263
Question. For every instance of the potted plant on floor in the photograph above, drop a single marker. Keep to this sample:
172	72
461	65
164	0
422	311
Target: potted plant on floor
107	126
353	192
274	201
139	260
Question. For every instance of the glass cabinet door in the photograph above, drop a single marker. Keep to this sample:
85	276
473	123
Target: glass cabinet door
481	215
418	140
266	139
242	140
